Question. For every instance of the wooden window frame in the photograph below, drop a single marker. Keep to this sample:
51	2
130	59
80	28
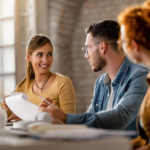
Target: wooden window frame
40	21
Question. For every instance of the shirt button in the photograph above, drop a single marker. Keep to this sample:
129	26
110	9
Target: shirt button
96	104
107	94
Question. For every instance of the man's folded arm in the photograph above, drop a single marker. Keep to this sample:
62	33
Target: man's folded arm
122	114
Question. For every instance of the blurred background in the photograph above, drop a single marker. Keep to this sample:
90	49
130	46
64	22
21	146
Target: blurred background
64	21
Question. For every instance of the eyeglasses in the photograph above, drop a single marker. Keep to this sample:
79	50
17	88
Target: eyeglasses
85	48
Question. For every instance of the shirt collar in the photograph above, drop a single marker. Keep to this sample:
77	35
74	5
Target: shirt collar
120	74
107	79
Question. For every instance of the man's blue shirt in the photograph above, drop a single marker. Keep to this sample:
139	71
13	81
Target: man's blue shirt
129	89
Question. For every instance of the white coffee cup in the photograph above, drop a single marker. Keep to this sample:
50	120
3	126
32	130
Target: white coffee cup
3	118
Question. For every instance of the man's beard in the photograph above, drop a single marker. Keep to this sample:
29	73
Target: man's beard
99	63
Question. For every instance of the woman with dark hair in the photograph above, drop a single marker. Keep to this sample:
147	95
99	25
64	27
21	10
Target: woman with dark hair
39	80
135	39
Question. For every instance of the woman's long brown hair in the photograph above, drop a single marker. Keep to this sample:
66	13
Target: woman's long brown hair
35	43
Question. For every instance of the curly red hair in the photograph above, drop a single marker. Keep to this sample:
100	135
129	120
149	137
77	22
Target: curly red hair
146	4
136	20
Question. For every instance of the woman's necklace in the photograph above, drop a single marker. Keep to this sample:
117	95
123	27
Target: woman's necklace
43	84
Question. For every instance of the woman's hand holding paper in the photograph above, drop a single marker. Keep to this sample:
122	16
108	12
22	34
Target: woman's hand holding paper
14	117
5	107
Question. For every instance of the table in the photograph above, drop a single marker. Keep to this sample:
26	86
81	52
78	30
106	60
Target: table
10	142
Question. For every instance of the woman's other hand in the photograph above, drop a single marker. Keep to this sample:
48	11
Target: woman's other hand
13	117
146	147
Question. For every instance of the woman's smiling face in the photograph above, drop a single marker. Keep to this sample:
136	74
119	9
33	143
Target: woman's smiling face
41	59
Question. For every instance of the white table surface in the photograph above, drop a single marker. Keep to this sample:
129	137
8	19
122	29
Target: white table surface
14	142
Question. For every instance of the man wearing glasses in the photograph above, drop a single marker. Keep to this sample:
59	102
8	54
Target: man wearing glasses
118	93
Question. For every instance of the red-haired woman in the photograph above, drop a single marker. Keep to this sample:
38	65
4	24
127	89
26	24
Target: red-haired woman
135	39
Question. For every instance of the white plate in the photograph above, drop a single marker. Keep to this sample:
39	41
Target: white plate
43	127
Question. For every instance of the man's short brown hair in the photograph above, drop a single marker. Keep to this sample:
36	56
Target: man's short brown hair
109	30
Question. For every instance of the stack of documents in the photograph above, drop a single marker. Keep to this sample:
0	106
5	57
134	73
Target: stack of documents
75	132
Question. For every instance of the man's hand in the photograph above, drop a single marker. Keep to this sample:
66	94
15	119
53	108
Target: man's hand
55	112
44	104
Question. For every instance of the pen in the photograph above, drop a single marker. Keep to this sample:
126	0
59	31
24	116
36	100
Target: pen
45	100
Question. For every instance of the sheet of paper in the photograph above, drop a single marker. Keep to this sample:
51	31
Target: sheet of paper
75	132
21	107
